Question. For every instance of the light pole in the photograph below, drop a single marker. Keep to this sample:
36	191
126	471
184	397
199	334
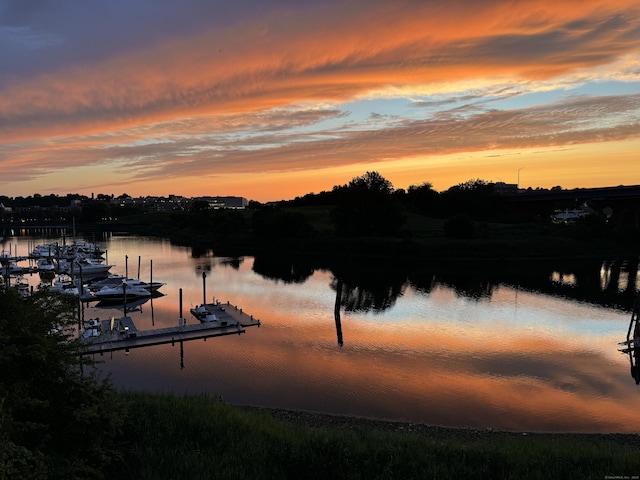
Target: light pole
521	168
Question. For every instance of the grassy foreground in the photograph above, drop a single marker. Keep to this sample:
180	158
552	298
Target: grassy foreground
198	437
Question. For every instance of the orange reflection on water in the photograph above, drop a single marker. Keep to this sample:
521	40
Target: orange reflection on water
524	382
511	361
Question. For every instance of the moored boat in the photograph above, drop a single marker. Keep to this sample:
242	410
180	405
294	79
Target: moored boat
121	292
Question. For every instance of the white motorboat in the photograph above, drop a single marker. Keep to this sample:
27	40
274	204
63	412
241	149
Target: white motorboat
45	264
149	286
45	250
112	280
121	292
10	269
118	280
64	284
85	266
69	286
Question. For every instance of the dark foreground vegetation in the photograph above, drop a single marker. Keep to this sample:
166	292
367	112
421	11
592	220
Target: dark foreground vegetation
59	420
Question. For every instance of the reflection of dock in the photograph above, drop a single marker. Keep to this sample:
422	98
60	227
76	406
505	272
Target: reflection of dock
122	333
633	342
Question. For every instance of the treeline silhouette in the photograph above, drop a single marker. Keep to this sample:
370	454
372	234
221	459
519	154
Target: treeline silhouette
367	206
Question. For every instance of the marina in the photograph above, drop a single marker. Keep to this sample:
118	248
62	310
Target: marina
102	336
57	262
533	351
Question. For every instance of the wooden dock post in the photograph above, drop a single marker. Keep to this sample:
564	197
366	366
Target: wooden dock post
204	288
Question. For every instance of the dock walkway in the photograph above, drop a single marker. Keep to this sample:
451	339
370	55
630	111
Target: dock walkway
122	333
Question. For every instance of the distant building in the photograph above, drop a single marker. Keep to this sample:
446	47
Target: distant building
225	202
501	188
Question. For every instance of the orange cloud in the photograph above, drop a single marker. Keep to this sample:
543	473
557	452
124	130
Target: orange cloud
233	102
290	58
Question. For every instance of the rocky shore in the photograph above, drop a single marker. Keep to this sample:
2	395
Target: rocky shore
364	426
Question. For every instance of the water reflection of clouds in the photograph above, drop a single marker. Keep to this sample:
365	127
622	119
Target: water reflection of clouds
436	377
439	378
514	360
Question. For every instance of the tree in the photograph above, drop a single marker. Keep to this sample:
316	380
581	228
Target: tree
476	198
366	206
94	211
372	183
422	198
56	421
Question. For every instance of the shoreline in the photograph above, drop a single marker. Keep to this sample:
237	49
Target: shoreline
365	426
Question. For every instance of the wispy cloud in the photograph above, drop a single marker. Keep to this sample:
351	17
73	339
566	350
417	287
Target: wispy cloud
275	90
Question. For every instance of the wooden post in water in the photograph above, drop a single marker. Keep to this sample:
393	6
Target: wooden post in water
204	289
124	299
138	277
181	317
151	278
126	266
336	311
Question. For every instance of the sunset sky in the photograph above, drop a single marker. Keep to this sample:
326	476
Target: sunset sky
272	100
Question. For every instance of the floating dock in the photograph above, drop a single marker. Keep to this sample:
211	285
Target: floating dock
122	334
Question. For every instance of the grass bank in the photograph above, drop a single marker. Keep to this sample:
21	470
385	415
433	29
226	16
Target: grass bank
200	437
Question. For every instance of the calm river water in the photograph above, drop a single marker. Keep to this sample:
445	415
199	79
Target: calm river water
535	349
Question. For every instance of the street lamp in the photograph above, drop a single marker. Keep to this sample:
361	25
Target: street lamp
521	168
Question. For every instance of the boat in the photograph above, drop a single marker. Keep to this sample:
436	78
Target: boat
91	328
121	292
64	284
45	264
117	281
206	313
149	286
11	269
111	280
46	250
85	266
22	285
9	264
67	285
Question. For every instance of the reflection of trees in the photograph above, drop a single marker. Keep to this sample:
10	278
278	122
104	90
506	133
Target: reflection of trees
282	268
367	290
203	267
233	262
610	282
423	281
376	287
364	291
470	285
206	265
